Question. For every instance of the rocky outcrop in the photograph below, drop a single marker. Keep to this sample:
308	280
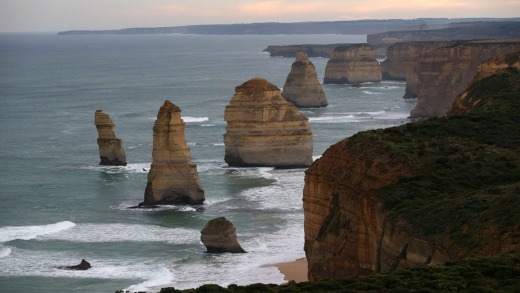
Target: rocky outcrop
317	50
401	63
83	266
173	178
353	64
219	235
111	150
465	102
419	194
264	129
445	72
302	87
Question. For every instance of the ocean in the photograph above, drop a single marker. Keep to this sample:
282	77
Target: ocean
58	206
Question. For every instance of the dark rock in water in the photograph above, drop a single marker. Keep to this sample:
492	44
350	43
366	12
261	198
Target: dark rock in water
219	235
83	266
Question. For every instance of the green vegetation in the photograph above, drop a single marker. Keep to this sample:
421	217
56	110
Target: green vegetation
345	48
466	168
492	274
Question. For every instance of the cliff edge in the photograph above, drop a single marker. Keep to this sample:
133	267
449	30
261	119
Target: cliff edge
354	63
423	193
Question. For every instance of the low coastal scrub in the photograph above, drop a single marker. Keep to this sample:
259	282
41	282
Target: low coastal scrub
465	182
491	274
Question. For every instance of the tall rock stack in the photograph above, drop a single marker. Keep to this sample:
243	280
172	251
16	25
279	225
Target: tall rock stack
302	87
264	129
111	150
173	178
353	64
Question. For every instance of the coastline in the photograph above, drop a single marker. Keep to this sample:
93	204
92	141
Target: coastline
294	270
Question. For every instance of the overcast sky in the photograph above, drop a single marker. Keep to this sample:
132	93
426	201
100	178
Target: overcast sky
59	15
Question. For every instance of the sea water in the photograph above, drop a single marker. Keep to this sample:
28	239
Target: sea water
58	206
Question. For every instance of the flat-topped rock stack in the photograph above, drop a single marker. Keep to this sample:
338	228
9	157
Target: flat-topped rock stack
111	150
264	129
352	64
302	87
173	178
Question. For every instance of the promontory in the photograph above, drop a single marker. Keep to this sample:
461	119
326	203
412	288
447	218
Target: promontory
351	64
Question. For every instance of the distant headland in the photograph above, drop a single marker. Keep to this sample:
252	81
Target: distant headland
355	27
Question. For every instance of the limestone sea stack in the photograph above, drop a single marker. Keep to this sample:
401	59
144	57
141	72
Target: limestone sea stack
111	150
219	235
173	178
264	129
302	87
353	64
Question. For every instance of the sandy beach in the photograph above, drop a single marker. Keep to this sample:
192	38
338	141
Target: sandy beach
294	270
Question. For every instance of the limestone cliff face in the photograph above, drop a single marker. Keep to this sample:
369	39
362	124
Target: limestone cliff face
346	233
302	87
401	63
173	178
353	64
111	150
264	129
445	72
465	102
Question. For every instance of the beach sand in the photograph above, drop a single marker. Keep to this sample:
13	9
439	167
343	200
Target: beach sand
294	270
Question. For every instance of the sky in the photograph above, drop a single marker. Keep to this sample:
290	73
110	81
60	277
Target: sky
61	15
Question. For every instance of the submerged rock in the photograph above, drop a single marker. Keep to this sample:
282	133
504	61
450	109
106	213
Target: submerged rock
302	87
83	266
353	64
264	129
111	150
173	178
219	235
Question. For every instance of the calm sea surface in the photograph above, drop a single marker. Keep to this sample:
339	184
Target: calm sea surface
58	206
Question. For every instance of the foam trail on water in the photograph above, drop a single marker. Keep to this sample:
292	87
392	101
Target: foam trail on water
188	119
164	277
9	233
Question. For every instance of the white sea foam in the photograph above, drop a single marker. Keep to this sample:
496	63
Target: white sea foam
126	232
208	125
371	93
130	168
336	119
9	233
163	277
4	251
188	119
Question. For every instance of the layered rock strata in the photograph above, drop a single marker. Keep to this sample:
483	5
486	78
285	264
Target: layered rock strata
264	129
402	60
111	150
302	87
445	72
219	235
173	178
353	64
419	194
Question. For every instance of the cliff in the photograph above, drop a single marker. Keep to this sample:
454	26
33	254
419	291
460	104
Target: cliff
352	64
111	150
173	178
445	72
457	31
263	129
302	87
401	60
423	193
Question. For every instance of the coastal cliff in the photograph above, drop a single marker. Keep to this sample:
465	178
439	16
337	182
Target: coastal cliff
422	193
445	72
302	87
111	152
353	64
401	62
264	129
173	178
